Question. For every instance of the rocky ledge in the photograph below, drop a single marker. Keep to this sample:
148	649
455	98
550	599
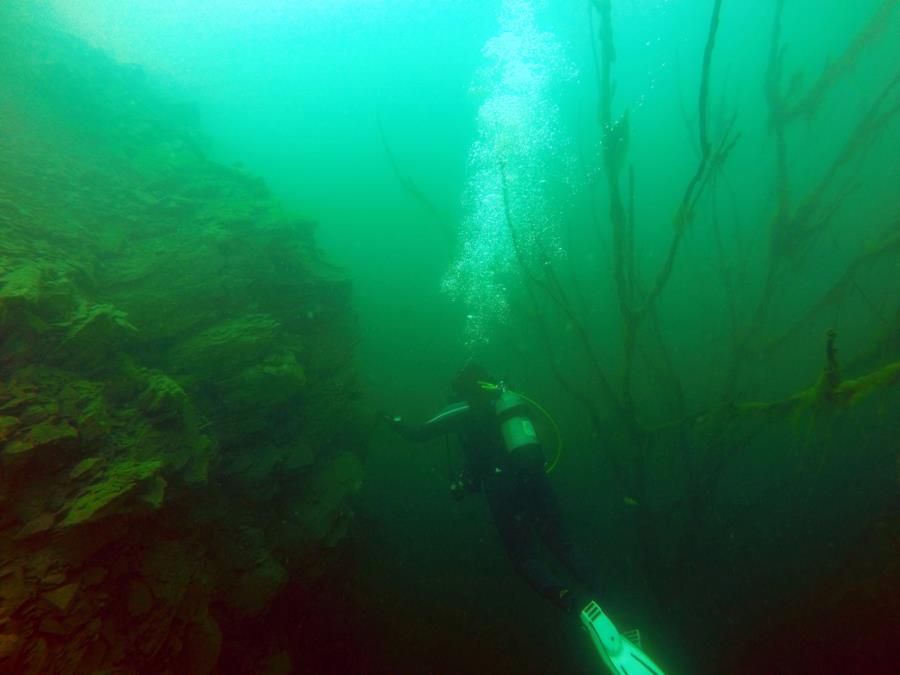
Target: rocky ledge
178	428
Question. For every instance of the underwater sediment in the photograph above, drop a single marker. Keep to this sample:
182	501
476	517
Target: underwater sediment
178	434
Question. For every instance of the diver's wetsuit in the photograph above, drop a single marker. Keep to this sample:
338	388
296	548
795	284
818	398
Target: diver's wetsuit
519	494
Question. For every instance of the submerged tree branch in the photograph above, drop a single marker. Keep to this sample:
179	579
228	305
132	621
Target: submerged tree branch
887	246
838	69
685	213
795	230
410	187
531	280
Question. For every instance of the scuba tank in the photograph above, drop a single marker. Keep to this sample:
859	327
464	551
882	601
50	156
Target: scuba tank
516	425
517	432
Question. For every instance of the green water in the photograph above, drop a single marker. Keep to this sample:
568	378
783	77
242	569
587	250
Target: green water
419	135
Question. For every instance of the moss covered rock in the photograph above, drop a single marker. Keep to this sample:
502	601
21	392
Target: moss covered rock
46	434
177	389
116	483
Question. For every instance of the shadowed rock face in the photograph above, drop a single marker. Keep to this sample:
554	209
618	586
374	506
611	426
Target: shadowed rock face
178	434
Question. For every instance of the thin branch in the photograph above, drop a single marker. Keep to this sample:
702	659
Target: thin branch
837	70
684	213
410	187
531	280
888	246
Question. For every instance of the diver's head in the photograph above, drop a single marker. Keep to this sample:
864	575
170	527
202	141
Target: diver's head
468	382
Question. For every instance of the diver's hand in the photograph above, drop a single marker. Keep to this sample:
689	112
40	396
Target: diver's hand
393	421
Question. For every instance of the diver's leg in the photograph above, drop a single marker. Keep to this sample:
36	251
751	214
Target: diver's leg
549	523
504	495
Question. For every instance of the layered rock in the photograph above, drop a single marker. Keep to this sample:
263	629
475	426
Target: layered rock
178	434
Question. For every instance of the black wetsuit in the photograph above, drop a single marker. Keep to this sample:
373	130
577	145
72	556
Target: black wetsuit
520	497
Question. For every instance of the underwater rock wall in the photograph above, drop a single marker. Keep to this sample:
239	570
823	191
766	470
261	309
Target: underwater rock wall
178	433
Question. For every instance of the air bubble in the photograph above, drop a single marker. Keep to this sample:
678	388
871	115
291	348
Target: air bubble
518	136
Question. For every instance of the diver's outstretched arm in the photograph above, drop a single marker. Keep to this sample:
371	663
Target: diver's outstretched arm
449	420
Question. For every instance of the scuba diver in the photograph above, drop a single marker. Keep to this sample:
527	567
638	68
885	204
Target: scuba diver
504	460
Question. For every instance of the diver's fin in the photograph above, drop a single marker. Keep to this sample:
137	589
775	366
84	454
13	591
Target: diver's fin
633	636
620	655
